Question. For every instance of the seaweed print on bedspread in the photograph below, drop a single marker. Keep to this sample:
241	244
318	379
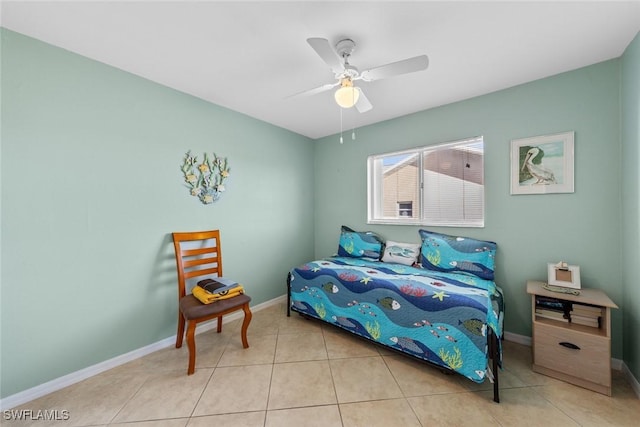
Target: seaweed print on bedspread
439	317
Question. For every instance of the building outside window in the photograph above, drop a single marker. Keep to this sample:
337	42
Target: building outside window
434	185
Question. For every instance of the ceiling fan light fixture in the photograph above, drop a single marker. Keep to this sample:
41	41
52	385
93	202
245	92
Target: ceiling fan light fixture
347	96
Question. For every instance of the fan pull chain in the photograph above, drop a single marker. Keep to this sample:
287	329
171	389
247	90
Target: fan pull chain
341	140
353	128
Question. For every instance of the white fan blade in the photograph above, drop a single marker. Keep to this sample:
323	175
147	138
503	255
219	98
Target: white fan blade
316	90
363	105
326	52
417	63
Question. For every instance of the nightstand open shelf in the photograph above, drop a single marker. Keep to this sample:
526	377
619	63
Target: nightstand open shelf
572	352
573	327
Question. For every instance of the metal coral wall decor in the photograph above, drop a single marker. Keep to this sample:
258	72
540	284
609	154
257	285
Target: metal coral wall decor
205	180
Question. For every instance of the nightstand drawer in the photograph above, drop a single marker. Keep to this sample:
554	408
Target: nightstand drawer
590	361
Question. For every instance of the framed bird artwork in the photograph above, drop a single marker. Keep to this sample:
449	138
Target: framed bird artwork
543	164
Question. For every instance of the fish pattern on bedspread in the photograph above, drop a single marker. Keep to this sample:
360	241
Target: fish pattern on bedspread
439	317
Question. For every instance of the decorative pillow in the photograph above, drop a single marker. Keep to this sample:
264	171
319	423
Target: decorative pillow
401	253
441	252
355	244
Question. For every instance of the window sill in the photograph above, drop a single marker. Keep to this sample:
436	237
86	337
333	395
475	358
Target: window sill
391	221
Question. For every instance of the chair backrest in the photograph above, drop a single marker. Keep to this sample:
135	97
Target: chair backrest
198	253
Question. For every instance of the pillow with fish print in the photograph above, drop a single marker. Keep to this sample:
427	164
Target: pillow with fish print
452	254
363	244
401	253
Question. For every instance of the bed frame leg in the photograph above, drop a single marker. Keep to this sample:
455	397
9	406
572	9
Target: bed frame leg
493	351
288	294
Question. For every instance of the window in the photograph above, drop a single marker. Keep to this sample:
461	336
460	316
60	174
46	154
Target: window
405	209
434	185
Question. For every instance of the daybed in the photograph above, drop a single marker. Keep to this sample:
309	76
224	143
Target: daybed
434	301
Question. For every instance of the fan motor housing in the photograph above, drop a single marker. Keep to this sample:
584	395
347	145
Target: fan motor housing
345	47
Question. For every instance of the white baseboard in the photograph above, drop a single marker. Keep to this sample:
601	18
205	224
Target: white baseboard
77	376
519	339
633	381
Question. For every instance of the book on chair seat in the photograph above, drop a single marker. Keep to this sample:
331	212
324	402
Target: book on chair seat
218	285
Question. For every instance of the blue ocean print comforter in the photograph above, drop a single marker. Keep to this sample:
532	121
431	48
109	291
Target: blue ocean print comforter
439	317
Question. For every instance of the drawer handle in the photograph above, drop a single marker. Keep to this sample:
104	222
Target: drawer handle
569	345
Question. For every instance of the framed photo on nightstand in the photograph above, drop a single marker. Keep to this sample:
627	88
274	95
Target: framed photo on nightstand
566	276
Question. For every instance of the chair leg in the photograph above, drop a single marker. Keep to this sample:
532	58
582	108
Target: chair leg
245	325
219	324
180	333
191	344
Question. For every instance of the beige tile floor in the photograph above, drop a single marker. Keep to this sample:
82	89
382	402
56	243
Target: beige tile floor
299	372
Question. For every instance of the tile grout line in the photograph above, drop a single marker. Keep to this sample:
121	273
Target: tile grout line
273	364
124	405
404	396
535	388
333	381
203	389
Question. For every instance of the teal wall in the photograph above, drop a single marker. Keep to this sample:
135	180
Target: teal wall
631	204
91	189
582	228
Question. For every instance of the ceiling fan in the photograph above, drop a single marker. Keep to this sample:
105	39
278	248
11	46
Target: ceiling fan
349	95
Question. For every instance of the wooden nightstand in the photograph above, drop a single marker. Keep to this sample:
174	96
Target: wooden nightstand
571	352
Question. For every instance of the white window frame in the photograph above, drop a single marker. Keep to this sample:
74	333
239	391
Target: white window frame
375	175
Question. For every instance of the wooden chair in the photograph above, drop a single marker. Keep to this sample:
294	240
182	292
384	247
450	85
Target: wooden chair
199	254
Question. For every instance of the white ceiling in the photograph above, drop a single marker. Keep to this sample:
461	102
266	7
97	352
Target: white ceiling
250	56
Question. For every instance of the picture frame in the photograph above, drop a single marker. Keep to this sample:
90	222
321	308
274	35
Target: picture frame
543	164
566	277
